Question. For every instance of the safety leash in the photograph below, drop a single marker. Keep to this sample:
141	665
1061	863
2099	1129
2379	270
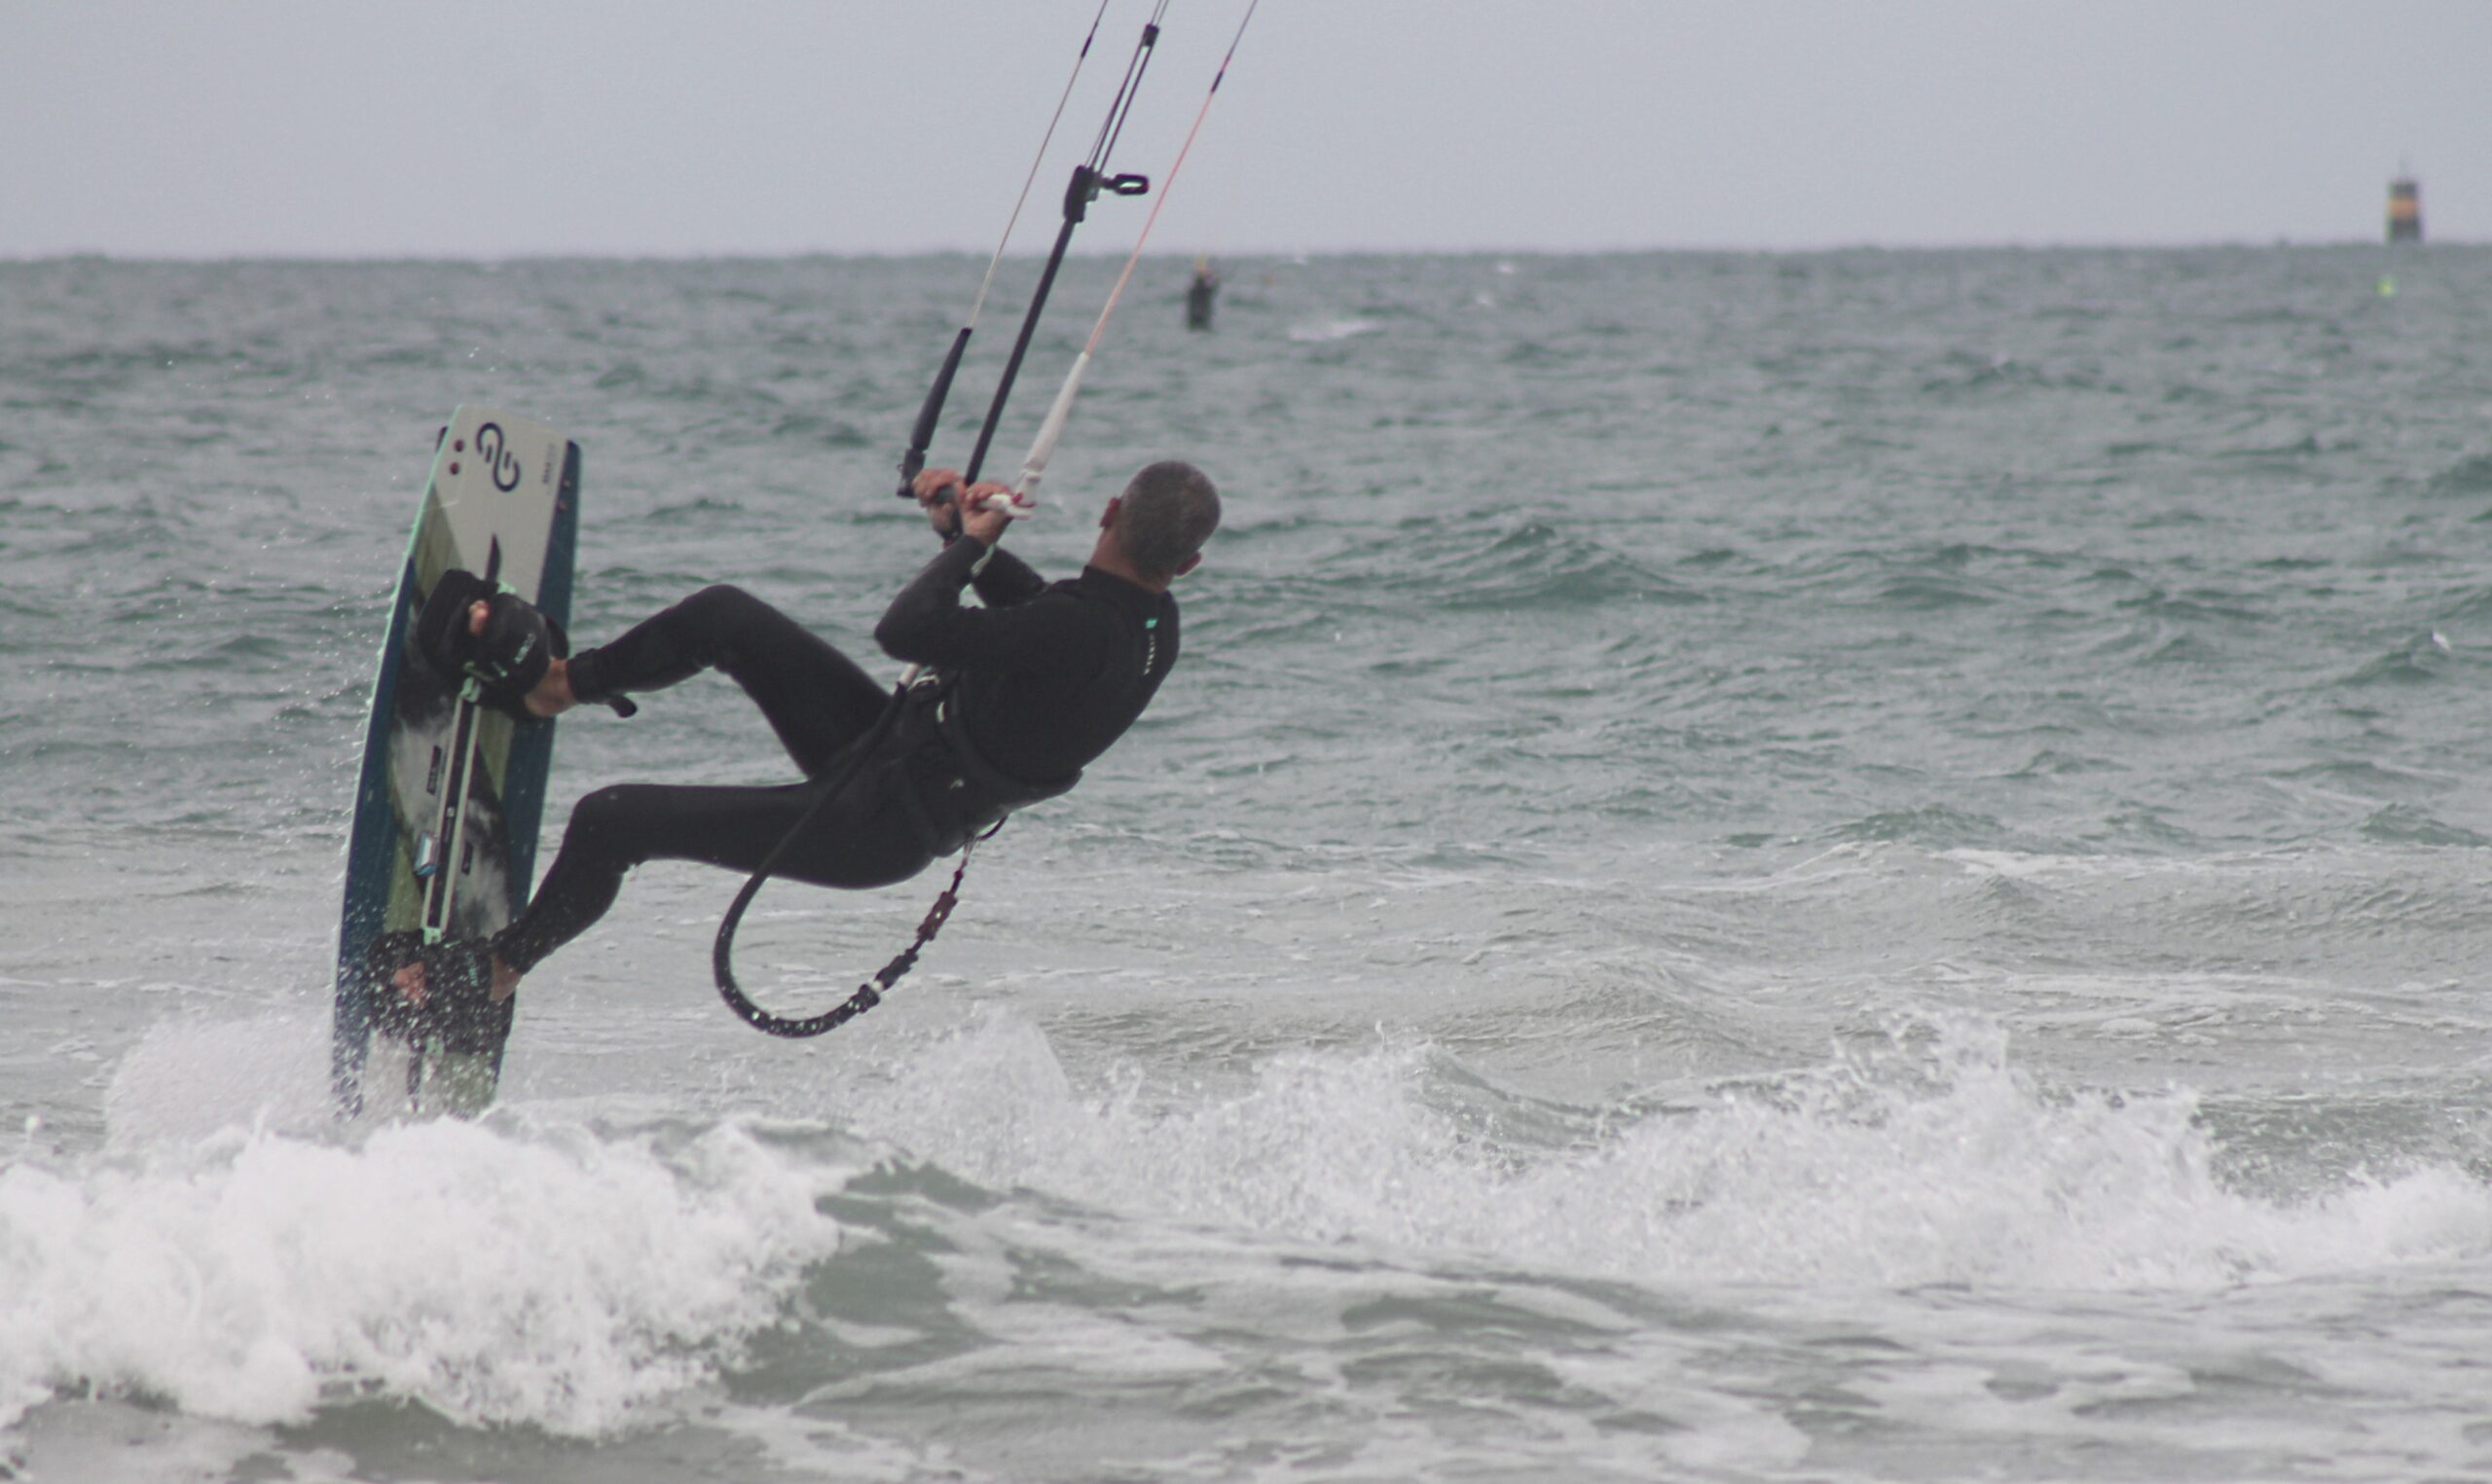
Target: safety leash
869	994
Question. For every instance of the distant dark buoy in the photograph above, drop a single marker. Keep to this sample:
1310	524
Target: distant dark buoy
1200	295
2404	210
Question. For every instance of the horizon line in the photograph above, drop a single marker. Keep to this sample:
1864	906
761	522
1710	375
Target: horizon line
1285	255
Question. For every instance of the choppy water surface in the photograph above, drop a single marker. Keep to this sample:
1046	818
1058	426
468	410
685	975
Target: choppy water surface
1858	866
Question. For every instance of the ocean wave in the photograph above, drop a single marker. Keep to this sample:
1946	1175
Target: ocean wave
1919	1157
2418	663
555	1277
1935	828
2405	824
2471	475
1964	373
1534	564
1342	327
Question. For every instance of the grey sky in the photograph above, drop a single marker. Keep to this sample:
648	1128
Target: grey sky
389	128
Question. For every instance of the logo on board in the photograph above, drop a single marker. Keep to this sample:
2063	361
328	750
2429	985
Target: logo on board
494	447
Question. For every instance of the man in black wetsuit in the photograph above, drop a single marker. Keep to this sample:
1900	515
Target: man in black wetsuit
1019	697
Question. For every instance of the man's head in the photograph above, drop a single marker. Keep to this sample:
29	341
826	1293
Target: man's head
1161	521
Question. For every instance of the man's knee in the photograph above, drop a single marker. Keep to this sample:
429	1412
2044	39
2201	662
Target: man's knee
603	821
723	602
724	618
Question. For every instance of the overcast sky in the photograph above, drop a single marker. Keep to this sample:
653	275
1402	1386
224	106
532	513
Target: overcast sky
390	127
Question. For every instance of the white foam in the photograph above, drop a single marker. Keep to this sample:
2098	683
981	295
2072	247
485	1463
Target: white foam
1317	332
497	1274
1933	1164
803	1444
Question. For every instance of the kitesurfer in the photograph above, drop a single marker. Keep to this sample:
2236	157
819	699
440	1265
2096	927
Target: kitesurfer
1017	698
1200	295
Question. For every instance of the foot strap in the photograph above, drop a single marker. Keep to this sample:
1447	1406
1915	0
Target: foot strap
517	645
459	1008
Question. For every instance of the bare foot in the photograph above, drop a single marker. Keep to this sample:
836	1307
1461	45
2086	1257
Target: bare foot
553	696
409	982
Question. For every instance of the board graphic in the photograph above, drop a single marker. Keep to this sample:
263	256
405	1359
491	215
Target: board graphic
450	794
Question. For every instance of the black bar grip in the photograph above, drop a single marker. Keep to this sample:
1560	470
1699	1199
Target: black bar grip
922	437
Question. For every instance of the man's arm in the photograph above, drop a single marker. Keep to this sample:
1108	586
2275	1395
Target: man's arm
1006	580
925	624
1001	579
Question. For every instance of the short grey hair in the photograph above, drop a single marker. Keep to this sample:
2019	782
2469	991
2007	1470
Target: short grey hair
1170	510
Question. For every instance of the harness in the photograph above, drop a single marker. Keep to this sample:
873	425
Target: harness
955	794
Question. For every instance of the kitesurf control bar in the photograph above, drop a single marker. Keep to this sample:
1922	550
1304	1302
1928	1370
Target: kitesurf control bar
1042	447
1089	178
1085	189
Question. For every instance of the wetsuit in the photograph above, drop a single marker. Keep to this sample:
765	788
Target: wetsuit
1024	693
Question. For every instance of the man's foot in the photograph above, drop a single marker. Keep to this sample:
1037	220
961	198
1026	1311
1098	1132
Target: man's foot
413	979
456	987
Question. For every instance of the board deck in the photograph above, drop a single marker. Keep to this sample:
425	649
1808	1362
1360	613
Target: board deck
451	793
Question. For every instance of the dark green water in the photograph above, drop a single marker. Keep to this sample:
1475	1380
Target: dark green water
1850	866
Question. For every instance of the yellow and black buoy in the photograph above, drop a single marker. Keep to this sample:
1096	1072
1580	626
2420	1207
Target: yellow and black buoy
2404	210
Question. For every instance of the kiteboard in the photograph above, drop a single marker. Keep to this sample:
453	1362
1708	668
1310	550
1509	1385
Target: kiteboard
451	791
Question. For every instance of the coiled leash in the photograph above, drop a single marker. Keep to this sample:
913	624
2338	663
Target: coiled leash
869	994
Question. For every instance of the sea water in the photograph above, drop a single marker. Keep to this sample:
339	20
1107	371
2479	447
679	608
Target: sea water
1848	866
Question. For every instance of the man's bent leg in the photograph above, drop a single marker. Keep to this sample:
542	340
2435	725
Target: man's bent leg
816	699
866	838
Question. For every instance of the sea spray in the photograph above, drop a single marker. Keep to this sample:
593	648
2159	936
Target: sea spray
551	1275
1922	1157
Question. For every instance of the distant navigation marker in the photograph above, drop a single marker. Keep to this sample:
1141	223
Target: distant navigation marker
2404	210
1200	293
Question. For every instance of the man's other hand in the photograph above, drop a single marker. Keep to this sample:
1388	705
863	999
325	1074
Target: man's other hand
937	493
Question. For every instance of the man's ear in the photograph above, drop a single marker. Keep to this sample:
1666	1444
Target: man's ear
1189	565
1107	517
